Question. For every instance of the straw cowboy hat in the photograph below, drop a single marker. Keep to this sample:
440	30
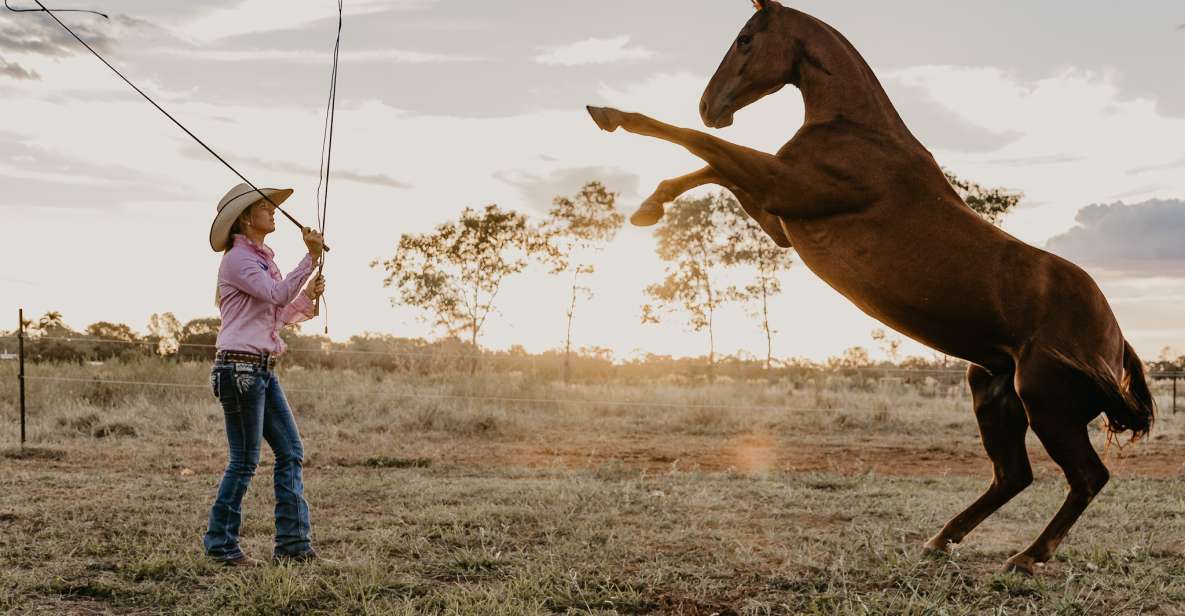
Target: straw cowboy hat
236	201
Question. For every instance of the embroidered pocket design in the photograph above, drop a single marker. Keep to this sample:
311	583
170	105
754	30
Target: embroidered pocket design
244	382
214	384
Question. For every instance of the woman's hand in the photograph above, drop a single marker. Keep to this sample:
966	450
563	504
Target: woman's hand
314	241
315	288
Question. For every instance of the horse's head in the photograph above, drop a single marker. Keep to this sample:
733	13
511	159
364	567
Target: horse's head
760	61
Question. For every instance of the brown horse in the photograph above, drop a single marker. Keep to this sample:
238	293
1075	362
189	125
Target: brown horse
869	210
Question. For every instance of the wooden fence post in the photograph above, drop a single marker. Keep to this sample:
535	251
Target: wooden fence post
20	337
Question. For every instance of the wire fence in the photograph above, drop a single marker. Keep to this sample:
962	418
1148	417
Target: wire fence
876	377
488	356
724	361
472	398
88	380
443	360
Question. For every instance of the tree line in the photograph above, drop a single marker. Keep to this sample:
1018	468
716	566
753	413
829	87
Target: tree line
453	275
454	272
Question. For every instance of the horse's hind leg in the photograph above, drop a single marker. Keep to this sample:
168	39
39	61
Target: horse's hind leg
1002	426
1059	412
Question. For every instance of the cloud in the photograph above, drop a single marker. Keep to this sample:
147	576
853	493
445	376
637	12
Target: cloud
938	125
16	71
539	191
251	17
1025	161
593	51
1180	162
373	179
396	56
1139	191
1144	238
40	191
43	177
1073	113
36	35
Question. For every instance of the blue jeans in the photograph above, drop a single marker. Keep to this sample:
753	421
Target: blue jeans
255	409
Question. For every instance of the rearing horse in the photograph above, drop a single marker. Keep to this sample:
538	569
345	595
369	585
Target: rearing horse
868	209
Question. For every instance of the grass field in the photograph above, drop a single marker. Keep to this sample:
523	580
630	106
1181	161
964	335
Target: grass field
506	495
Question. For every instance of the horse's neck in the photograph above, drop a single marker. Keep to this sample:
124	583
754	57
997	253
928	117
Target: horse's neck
836	81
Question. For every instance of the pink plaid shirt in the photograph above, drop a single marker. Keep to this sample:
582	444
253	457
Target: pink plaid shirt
257	301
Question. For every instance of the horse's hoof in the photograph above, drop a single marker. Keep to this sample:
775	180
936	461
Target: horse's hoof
936	549
648	214
1021	564
607	119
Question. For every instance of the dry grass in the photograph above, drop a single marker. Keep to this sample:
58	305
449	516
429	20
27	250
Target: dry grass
606	499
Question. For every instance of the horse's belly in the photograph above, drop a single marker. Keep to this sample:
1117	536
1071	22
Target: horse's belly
939	302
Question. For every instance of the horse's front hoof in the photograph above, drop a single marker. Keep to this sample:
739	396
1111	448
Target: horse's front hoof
608	119
1024	565
648	214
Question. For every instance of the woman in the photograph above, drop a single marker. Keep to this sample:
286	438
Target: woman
255	302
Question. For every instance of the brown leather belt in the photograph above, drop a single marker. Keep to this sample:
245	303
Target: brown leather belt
243	357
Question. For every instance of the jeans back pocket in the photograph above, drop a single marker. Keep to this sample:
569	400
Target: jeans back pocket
215	383
244	382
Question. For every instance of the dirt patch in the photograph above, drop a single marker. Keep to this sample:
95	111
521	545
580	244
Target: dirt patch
756	453
752	453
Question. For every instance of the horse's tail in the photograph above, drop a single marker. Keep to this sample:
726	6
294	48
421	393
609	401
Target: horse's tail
1140	408
1127	402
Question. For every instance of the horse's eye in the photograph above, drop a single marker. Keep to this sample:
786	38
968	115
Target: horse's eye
744	40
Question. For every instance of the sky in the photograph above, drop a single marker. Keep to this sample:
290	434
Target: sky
444	105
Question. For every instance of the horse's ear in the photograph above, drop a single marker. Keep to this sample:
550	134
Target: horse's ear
761	5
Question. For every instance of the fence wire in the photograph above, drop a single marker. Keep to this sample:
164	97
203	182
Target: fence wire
506	399
435	355
504	357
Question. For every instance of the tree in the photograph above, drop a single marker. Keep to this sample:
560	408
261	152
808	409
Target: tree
891	345
691	239
166	330
108	337
53	340
111	331
1166	362
455	272
575	230
990	203
198	337
51	323
853	358
747	245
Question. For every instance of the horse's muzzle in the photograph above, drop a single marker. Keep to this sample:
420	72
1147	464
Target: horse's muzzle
715	116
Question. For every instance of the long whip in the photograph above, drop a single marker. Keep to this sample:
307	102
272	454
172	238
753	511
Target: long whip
322	192
154	103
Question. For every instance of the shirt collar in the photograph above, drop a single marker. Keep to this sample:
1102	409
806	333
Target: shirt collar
243	240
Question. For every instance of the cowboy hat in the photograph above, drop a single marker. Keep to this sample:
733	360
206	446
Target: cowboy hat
236	201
